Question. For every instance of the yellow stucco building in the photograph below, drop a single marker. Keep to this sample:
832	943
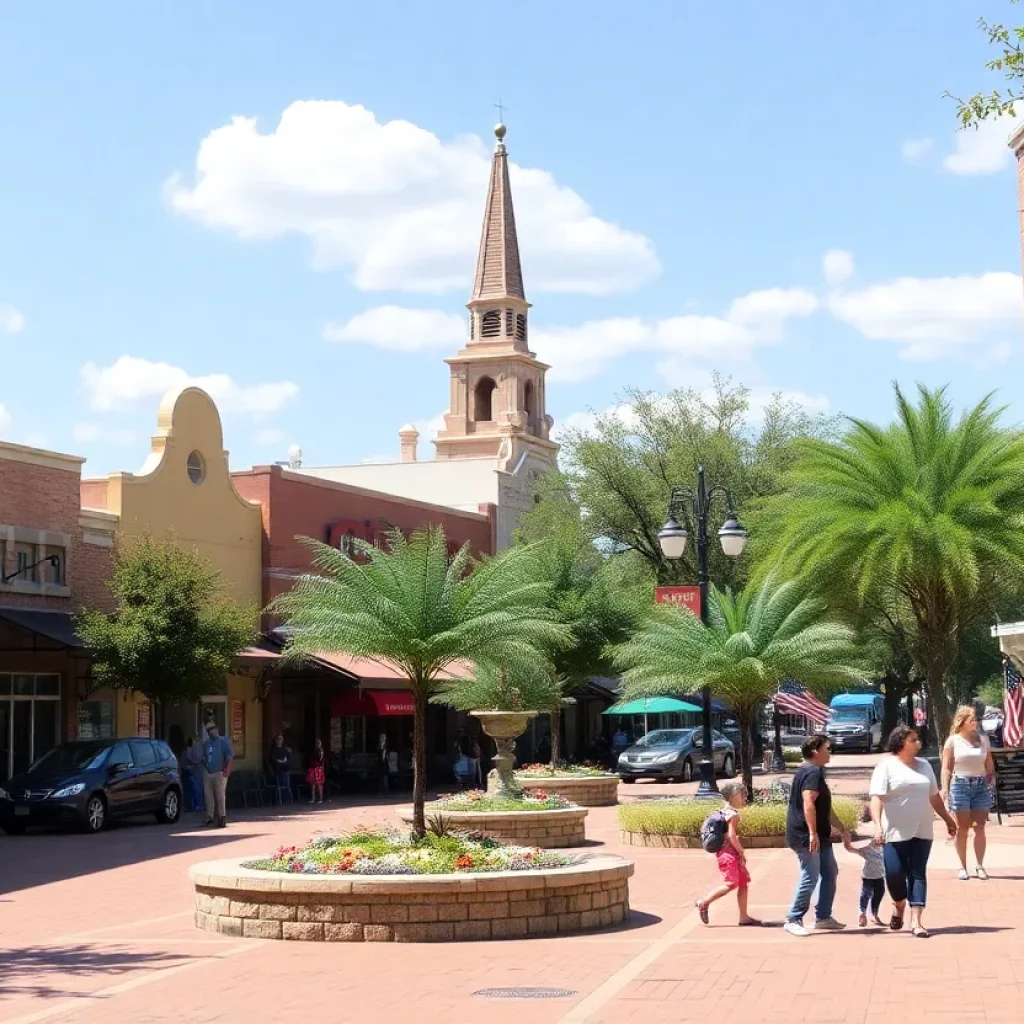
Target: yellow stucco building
185	490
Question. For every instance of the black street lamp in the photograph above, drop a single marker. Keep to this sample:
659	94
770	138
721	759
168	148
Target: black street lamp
54	560
672	538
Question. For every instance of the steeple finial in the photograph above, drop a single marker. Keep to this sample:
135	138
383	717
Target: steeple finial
499	273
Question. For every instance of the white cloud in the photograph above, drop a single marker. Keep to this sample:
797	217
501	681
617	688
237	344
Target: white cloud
916	151
395	205
583	351
399	329
130	380
837	265
87	432
938	316
12	321
269	438
981	150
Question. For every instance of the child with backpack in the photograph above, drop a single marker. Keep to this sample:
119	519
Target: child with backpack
720	835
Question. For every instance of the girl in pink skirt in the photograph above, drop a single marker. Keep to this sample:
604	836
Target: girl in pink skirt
732	858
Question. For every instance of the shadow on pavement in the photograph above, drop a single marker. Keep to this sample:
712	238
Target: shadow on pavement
40	859
27	969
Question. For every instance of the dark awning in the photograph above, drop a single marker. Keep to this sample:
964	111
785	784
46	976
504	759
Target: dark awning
56	626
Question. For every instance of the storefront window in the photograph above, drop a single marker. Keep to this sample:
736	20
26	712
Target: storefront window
96	720
29	720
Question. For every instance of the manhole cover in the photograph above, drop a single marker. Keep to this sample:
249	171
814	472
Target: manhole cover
524	993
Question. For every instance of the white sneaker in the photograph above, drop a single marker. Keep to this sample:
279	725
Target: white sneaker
962	875
982	873
828	924
796	928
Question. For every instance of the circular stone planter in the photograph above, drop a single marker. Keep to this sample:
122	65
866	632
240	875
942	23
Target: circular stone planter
693	842
239	901
584	790
546	829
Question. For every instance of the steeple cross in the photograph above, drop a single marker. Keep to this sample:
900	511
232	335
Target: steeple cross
501	109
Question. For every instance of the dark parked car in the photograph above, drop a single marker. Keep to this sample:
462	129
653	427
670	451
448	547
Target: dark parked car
88	783
667	754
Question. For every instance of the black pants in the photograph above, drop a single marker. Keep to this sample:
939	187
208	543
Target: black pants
871	891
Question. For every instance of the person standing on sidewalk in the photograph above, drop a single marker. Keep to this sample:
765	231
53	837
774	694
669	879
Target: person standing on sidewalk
217	758
904	801
809	822
968	786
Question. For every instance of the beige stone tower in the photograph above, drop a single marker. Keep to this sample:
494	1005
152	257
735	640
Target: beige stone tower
497	406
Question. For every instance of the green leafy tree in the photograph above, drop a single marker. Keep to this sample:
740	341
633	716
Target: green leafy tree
591	595
754	641
620	472
415	608
929	509
984	106
174	632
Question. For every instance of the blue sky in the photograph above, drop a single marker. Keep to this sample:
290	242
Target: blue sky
681	171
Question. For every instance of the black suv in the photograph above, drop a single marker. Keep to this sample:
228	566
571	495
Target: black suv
92	781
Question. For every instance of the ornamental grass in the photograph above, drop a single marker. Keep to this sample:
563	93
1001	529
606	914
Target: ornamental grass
685	817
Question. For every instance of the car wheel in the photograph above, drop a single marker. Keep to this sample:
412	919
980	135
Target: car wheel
170	809
15	828
728	770
628	779
95	814
687	770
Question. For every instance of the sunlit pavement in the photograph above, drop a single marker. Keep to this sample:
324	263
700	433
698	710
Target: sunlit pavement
98	928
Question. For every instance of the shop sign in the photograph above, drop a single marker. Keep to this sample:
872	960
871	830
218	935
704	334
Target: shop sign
681	597
238	727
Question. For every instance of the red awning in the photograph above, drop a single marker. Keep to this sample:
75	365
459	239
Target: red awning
370	703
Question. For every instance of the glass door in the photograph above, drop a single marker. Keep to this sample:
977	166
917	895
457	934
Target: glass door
21	737
5	740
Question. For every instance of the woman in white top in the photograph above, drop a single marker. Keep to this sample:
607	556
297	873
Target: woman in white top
904	801
968	774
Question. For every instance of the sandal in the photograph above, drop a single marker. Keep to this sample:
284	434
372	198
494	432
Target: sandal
752	923
920	933
981	873
896	922
702	909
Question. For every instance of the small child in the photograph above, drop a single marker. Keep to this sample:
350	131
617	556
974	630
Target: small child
872	882
732	859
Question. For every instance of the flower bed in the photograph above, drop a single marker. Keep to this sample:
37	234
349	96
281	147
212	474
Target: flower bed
477	800
677	823
585	770
233	898
392	852
583	785
540	819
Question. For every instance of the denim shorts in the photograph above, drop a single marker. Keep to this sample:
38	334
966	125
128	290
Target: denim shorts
970	794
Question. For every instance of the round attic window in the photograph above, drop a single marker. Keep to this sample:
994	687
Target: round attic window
196	468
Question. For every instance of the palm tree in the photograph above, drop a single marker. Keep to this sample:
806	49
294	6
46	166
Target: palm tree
929	508
754	641
414	608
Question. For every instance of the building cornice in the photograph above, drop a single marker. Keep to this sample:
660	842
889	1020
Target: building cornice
40	457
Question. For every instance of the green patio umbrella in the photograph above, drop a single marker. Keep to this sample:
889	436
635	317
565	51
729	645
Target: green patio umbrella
650	706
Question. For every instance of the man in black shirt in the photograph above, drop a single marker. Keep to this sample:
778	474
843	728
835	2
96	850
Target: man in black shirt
809	822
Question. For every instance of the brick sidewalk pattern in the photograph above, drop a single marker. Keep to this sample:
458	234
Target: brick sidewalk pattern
99	929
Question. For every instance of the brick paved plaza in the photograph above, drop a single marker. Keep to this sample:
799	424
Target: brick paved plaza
99	929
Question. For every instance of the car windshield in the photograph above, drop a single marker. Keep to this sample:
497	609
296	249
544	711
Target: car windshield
72	757
849	715
665	738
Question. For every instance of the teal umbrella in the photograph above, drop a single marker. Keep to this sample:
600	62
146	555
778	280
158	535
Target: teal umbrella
650	706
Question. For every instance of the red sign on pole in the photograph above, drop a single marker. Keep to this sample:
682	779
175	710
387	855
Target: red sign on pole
683	597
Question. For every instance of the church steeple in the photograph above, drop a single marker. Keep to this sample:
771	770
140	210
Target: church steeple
497	384
499	273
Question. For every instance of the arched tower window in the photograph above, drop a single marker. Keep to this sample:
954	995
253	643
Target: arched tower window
530	406
490	325
483	407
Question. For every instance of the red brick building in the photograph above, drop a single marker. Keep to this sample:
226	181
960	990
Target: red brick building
55	557
348	703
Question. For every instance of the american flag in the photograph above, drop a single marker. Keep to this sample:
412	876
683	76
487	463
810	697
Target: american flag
795	699
1013	723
